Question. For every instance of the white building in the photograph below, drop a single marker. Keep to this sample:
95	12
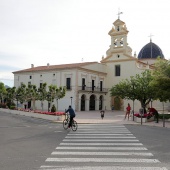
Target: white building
88	83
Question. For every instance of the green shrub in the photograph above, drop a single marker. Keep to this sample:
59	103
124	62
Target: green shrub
12	107
166	116
53	109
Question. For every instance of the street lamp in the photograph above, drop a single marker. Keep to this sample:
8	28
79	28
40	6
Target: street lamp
71	100
48	96
151	102
17	100
57	103
133	102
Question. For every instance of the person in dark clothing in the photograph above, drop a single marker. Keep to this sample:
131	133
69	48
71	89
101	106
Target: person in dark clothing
155	113
102	113
72	115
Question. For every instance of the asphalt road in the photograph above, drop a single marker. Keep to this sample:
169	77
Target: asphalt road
26	142
156	139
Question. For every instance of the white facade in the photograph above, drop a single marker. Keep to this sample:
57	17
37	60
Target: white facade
89	82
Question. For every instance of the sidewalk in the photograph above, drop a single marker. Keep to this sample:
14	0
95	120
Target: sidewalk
93	117
116	117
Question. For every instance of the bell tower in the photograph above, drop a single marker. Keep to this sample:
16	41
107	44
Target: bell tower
118	35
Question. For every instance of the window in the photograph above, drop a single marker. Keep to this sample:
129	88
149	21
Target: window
30	77
83	84
101	85
29	83
93	86
40	85
68	83
117	70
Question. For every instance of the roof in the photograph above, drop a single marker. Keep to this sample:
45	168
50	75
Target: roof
54	67
151	51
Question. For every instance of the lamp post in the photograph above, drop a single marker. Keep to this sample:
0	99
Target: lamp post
57	103
151	102
48	96
133	102
163	115
71	100
17	100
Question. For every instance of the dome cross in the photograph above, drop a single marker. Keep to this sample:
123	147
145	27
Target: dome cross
150	37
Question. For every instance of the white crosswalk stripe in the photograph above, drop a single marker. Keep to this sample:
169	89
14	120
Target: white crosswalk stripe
110	147
101	168
101	140
101	144
102	153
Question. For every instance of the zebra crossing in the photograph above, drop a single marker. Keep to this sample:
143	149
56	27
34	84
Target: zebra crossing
104	146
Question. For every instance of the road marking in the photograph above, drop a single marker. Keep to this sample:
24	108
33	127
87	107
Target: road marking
102	144
100	134
104	148
100	168
103	137
101	140
100	125
102	160
103	153
57	131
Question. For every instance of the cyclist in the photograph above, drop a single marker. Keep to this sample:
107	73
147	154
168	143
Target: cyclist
72	115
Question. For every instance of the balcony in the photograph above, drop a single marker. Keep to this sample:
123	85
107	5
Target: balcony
94	89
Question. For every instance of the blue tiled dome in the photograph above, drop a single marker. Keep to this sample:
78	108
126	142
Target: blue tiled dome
150	50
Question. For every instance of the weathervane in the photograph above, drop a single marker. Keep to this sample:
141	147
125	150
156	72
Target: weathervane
119	13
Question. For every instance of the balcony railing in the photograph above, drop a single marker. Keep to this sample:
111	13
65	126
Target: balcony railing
94	89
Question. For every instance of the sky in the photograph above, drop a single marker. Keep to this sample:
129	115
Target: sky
72	31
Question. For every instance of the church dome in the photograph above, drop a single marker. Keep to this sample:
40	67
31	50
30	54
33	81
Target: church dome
151	51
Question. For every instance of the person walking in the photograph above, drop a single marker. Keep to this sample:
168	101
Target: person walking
72	115
102	113
128	108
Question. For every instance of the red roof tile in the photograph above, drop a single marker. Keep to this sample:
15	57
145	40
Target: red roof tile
53	67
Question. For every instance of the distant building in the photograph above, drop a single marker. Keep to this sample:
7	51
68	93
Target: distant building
88	83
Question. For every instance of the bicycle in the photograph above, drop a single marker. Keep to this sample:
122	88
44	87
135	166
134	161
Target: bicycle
66	123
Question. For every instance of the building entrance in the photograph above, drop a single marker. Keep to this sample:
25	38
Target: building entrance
92	102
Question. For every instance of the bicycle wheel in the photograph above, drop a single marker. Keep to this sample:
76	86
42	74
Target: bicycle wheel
74	125
65	124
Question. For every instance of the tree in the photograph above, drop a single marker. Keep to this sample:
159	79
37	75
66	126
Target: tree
136	88
10	96
2	92
32	94
21	93
42	93
55	93
161	79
